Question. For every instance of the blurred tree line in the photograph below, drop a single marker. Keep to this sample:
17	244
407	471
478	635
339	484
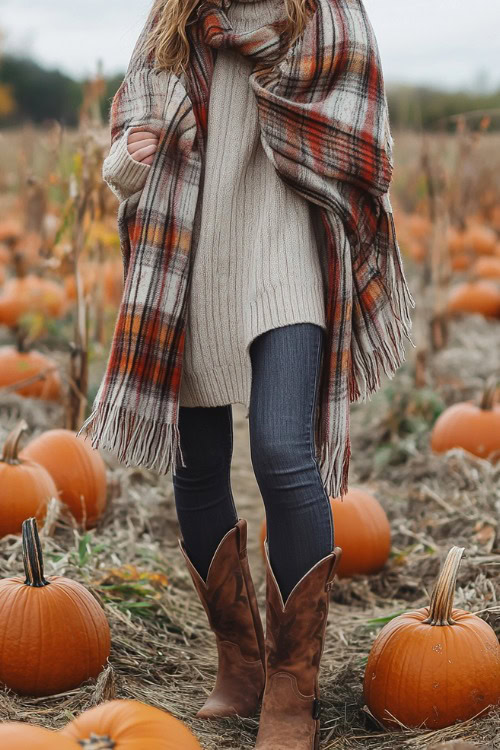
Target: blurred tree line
29	92
37	94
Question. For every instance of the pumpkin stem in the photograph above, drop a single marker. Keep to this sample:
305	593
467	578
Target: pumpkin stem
11	445
97	743
441	605
489	394
32	555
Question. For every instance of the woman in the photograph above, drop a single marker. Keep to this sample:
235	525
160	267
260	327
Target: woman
276	282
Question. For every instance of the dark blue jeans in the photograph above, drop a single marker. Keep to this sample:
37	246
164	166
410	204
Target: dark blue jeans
284	392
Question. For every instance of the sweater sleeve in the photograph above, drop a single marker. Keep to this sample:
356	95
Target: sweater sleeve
131	106
123	174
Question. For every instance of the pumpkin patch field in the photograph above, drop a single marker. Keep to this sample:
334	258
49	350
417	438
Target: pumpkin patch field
101	631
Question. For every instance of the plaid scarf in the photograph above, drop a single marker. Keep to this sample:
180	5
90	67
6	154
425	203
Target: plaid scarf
324	125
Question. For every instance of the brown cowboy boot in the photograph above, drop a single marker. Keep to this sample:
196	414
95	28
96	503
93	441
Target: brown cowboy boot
228	596
295	635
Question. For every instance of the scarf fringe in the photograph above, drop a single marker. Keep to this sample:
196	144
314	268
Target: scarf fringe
367	369
135	441
334	462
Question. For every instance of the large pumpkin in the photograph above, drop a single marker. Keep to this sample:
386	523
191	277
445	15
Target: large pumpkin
129	725
434	666
481	297
53	633
361	529
77	470
25	486
38	373
474	428
15	735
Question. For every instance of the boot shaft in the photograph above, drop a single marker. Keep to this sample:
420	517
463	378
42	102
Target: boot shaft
295	634
228	594
295	629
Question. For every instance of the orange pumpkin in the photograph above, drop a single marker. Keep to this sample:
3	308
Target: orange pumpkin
417	250
25	486
40	373
10	230
481	239
54	634
129	725
419	227
15	735
487	268
480	297
30	294
77	470
361	529
433	666
474	428
460	262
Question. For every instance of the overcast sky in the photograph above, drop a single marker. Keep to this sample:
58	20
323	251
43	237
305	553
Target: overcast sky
450	42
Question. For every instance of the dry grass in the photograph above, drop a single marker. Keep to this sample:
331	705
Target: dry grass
163	652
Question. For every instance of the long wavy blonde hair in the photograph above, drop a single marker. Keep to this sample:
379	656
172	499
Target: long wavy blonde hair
168	43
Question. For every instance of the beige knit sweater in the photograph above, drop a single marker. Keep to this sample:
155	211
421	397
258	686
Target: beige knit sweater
255	262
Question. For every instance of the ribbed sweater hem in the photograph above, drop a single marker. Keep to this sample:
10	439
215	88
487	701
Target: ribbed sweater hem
272	308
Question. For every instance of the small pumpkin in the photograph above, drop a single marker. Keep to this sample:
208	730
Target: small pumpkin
16	735
419	227
129	725
361	529
30	294
10	230
481	239
481	297
433	666
474	428
53	633
487	268
461	262
25	486
417	250
40	373
77	469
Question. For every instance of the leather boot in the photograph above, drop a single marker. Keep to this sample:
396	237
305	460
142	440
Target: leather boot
295	634
228	597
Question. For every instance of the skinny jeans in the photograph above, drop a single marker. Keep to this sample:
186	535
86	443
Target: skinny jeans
284	392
